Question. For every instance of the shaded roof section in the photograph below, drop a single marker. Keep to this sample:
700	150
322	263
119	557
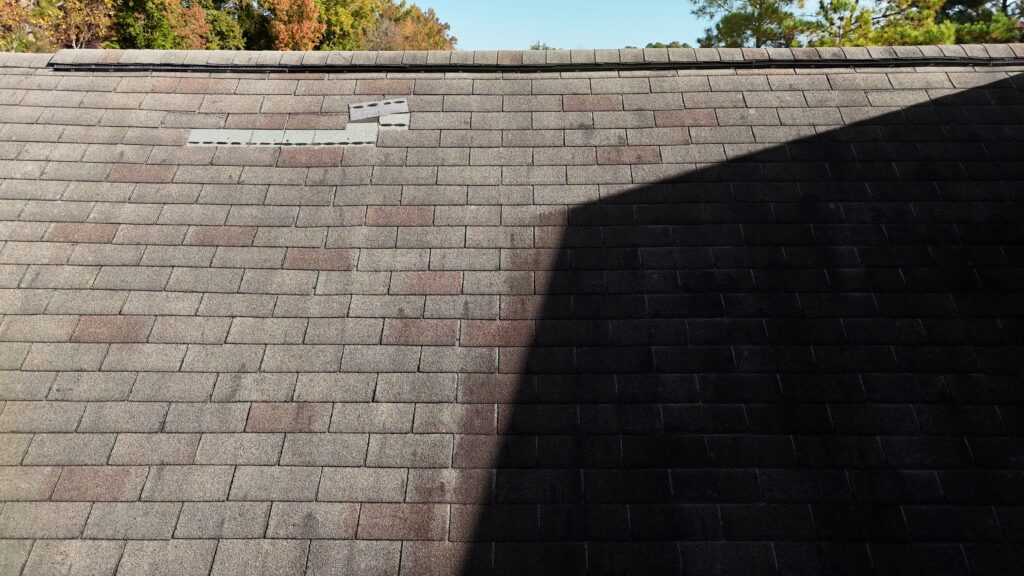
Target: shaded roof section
980	54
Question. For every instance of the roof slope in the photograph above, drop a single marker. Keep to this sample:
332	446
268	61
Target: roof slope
750	319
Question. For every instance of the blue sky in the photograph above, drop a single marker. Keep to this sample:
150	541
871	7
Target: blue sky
514	25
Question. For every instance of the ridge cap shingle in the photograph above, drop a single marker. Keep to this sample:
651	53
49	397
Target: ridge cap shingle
490	59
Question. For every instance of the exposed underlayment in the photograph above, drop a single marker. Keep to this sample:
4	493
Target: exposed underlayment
619	312
388	115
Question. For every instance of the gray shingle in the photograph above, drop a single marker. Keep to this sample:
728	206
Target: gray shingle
260	557
223	520
248	448
67	449
410	450
285	483
187	483
142	449
132	520
43	519
192	557
327	558
74	557
123	417
324	449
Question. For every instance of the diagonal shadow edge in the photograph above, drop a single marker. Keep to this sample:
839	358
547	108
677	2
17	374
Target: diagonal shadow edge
802	360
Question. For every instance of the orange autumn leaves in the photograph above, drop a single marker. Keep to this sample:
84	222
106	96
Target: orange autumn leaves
299	25
47	25
294	25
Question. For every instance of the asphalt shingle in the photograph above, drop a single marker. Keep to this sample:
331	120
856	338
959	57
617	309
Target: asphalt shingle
598	316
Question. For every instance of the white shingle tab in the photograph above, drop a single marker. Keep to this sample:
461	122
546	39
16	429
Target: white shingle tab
352	135
365	110
394	122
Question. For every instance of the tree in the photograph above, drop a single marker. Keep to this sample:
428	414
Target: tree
408	27
83	23
908	22
346	22
886	23
46	25
538	45
425	31
966	11
294	24
382	36
161	25
751	22
672	44
13	17
995	28
253	21
224	29
992	21
860	22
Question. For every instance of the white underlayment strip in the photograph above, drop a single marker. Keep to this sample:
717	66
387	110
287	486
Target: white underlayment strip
352	135
392	115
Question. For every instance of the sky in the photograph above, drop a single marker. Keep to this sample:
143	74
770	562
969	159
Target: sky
503	25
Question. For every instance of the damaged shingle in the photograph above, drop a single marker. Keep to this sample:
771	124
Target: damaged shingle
354	134
366	110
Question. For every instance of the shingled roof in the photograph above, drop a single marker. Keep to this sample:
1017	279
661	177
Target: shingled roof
605	312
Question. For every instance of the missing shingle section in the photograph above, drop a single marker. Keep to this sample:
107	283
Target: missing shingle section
219	137
266	137
298	137
392	114
352	135
380	108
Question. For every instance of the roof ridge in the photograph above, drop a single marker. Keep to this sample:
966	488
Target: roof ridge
981	54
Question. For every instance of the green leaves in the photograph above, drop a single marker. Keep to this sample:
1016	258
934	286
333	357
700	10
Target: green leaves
161	25
780	23
346	22
760	23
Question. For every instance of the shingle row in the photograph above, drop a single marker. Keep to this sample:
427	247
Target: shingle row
518	58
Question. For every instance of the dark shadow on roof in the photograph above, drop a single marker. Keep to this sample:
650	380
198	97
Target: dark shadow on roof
806	360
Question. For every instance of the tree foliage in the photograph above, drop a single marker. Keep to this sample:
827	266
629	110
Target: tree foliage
224	29
294	24
346	22
85	23
402	26
781	23
13	18
986	20
751	22
846	23
161	25
43	25
672	44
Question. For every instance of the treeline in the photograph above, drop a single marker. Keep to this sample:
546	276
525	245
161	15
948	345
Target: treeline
781	23
47	25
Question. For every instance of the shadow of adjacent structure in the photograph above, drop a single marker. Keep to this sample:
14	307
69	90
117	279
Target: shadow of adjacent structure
807	360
